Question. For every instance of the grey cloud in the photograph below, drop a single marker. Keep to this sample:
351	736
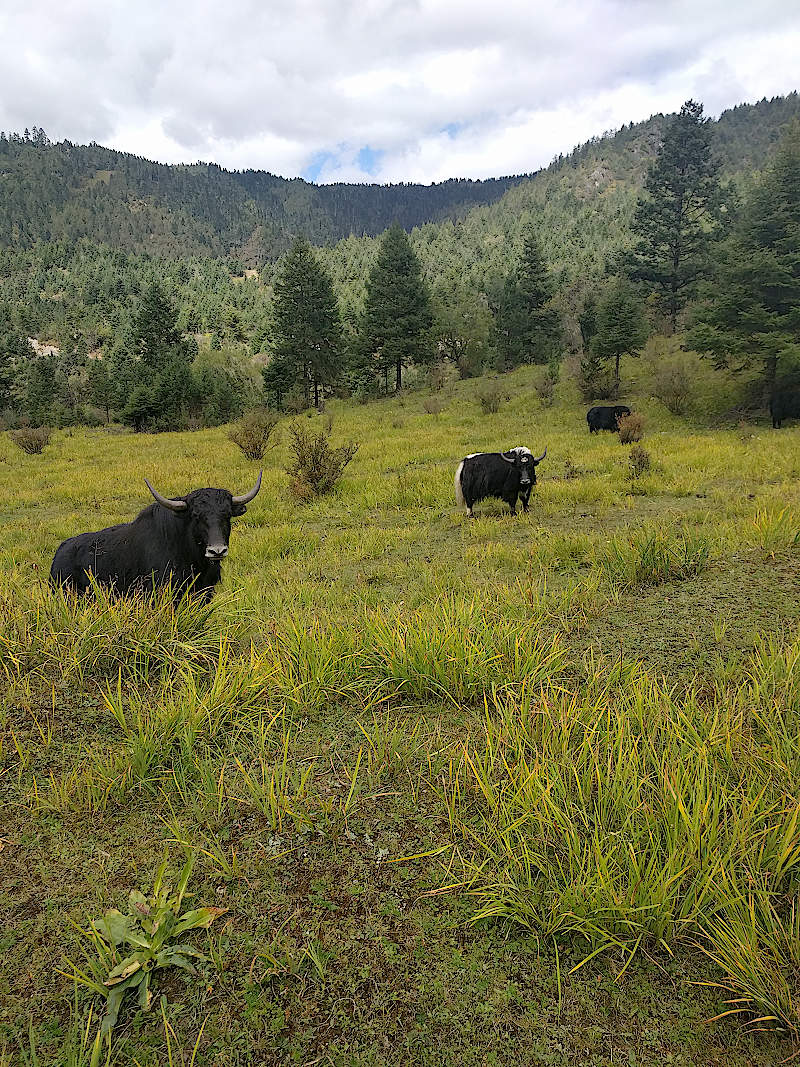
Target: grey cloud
275	84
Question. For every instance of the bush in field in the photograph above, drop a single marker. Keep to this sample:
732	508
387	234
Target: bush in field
638	461
433	405
631	428
545	384
252	433
595	381
31	439
491	399
672	386
316	466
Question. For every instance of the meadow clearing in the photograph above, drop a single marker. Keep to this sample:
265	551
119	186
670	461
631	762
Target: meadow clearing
507	791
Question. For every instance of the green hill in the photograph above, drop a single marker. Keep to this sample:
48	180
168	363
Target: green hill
84	229
65	191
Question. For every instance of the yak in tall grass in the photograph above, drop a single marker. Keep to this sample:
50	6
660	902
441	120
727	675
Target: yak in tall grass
179	541
508	475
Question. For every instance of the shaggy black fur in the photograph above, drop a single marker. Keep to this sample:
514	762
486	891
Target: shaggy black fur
157	547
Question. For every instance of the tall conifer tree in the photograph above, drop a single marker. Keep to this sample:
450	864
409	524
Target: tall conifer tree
752	315
673	221
528	324
308	330
397	313
621	326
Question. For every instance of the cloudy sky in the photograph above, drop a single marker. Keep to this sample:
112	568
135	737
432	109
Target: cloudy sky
379	90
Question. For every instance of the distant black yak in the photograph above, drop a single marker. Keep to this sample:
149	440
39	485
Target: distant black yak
180	541
506	475
606	418
784	403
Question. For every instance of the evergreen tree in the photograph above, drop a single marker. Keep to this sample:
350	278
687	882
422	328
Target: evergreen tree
307	334
621	327
673	220
141	408
397	311
527	323
587	320
751	318
155	330
101	386
42	390
279	377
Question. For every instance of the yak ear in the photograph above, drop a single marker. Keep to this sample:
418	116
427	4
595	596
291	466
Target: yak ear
238	509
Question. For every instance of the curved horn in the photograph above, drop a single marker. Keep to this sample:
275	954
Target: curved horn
249	496
505	457
165	502
539	460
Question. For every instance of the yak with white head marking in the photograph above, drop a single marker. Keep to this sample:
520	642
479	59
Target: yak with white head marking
508	475
179	541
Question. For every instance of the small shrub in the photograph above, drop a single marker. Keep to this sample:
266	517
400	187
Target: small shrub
253	431
31	439
631	428
638	461
672	386
433	405
491	399
316	466
595	380
438	377
545	385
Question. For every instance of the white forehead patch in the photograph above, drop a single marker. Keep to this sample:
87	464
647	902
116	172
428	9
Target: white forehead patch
523	451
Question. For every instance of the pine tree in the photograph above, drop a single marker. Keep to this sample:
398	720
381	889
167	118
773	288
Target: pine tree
528	324
101	386
751	318
154	328
397	312
587	320
621	327
307	335
673	222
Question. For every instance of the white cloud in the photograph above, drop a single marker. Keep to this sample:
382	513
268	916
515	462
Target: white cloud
436	88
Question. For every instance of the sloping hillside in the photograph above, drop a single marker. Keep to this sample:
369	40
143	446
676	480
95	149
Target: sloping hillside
65	191
582	205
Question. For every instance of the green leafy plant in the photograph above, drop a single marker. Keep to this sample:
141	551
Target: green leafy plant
316	465
124	951
254	433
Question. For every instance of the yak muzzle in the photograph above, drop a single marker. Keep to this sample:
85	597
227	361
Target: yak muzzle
216	551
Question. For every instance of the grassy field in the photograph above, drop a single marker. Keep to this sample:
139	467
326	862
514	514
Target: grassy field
507	791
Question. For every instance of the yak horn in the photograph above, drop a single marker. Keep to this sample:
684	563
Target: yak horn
249	496
165	502
539	460
505	457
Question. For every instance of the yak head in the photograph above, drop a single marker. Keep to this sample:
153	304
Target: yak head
525	463
207	516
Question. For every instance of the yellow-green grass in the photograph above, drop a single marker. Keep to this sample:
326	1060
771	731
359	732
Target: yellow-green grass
501	791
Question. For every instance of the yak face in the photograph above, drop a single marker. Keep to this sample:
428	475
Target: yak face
207	515
524	465
208	519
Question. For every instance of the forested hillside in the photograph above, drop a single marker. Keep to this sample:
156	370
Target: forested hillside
64	192
85	232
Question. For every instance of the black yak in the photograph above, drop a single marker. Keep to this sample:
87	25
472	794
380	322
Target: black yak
181	541
507	475
606	418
